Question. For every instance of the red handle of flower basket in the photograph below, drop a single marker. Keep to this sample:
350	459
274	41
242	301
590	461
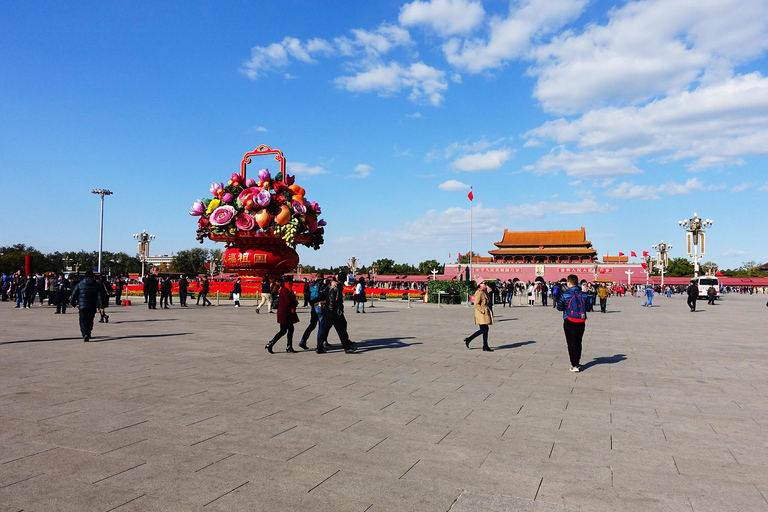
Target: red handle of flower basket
262	150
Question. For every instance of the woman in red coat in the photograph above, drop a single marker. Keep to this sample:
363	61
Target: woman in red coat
286	315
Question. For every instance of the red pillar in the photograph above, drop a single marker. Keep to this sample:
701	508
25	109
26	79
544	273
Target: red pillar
28	264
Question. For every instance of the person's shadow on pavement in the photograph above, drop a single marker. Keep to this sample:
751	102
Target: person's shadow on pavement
603	360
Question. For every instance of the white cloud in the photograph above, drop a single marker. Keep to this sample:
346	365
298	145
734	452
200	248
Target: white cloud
731	253
452	185
631	191
743	187
362	170
511	37
462	147
648	49
445	17
302	169
260	129
584	165
278	55
764	188
712	126
490	160
544	208
415	115
425	82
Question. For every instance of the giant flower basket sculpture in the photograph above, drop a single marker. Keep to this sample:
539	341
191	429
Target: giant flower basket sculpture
260	221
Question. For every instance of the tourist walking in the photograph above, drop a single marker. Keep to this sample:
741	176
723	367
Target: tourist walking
205	287
286	315
119	285
62	294
603	294
266	296
648	296
183	285
544	293
29	291
693	294
531	293
333	315
237	289
711	295
573	303
317	295
305	292
104	292
483	315
360	295
165	291
509	289
150	291
87	297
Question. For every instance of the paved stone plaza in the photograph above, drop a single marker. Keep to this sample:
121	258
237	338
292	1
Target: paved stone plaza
183	409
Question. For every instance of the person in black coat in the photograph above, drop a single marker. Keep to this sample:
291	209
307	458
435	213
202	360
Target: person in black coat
306	292
29	291
87	297
104	289
237	289
150	290
62	294
165	291
266	295
183	284
333	316
693	294
119	284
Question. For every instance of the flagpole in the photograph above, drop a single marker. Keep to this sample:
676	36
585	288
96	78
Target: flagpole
471	276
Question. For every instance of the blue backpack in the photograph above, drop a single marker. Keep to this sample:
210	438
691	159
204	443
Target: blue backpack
576	310
314	293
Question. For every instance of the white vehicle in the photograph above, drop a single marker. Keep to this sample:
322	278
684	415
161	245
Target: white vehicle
704	283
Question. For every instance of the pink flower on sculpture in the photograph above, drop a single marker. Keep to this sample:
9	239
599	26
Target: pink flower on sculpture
222	215
315	207
245	222
250	182
248	194
227	198
264	175
262	197
298	208
289	180
215	187
197	208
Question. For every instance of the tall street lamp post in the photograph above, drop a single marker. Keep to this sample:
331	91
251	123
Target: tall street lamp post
662	258
695	238
144	238
102	192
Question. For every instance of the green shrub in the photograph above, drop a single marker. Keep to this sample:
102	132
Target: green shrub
441	286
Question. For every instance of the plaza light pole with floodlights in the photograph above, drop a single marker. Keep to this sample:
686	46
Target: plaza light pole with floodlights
102	192
144	238
695	238
662	258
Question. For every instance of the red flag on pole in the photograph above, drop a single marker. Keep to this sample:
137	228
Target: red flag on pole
459	255
632	253
645	253
621	254
471	196
719	274
644	265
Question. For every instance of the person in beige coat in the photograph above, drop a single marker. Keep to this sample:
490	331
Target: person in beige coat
483	315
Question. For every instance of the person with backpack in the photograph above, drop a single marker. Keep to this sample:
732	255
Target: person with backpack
483	315
573	303
286	315
316	296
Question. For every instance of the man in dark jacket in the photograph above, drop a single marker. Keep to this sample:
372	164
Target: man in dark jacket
87	297
316	314
62	294
333	316
150	291
693	294
119	284
165	291
183	283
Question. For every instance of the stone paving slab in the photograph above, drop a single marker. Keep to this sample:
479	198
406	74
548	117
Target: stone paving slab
184	410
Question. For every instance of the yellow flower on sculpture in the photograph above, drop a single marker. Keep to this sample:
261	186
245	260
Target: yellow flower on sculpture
212	206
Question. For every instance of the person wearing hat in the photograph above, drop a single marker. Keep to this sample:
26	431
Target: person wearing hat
483	315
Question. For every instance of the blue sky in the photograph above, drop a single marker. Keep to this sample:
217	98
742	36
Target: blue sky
623	117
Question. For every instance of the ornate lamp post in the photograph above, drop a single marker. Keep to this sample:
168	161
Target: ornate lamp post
595	270
144	238
695	238
648	268
101	192
352	264
662	258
